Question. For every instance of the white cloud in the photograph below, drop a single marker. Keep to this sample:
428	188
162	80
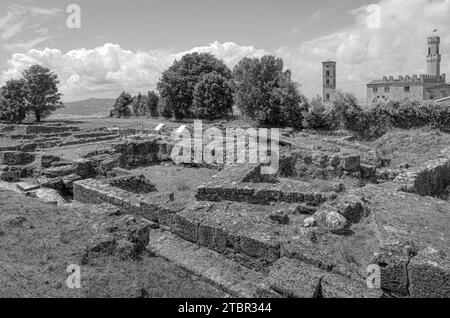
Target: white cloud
106	70
397	47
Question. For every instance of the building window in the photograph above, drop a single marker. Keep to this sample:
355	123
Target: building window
375	89
328	82
406	89
327	96
327	73
386	89
429	50
431	97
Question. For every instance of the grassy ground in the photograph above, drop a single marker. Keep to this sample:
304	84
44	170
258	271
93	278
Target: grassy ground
38	242
412	147
182	181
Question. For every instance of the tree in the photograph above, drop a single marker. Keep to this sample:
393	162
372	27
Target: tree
178	82
213	97
266	93
13	106
42	96
136	105
164	109
121	106
152	104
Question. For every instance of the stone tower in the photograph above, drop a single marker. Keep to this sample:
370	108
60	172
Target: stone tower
329	80
434	57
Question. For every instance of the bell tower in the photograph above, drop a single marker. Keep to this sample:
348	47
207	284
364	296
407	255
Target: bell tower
434	57
329	80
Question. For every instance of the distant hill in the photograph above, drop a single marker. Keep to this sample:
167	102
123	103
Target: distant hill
92	107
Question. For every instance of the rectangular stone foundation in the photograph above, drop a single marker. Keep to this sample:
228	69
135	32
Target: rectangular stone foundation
154	206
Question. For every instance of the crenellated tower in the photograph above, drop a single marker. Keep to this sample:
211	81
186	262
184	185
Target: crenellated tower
434	57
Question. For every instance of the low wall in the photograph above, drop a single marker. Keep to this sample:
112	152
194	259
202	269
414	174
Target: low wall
154	206
433	178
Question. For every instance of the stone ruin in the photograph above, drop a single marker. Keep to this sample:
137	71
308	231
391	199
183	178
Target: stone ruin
267	235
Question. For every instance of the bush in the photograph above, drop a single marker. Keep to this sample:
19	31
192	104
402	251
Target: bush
438	115
213	97
178	82
318	116
404	114
266	94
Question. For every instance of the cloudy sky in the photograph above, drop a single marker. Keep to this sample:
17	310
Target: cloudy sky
124	45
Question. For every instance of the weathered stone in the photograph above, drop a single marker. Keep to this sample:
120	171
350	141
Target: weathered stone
47	160
16	158
352	208
60	171
429	275
9	176
280	217
338	187
336	286
69	180
48	196
135	184
336	223
292	278
25	186
351	162
309	222
368	171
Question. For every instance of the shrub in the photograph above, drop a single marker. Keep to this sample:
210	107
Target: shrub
178	82
266	93
438	115
213	97
318	116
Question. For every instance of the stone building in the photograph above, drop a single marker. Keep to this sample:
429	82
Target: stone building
329	80
430	86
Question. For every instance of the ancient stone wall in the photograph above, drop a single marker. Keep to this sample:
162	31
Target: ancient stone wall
44	129
12	158
432	178
154	206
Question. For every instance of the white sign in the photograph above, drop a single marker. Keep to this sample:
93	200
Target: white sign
159	127
180	129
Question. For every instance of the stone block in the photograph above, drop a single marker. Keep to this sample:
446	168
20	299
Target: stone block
429	275
292	278
336	286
